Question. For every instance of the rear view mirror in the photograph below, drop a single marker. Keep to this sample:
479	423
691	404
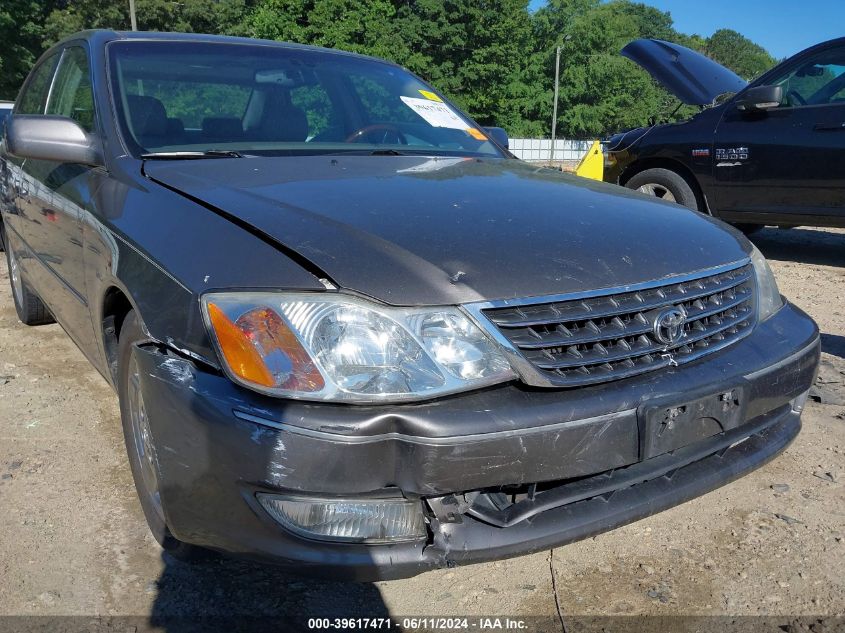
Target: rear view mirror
760	98
499	135
277	77
54	138
286	77
810	70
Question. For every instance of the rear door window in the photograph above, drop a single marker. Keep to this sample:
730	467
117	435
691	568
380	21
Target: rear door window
33	98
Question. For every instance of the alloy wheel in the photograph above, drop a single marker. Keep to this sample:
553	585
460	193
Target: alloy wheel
143	438
658	191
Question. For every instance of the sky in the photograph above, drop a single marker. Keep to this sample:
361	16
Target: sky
782	27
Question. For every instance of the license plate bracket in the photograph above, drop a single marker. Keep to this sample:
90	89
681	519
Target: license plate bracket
668	425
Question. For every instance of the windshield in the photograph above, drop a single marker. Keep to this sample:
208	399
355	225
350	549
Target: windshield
274	100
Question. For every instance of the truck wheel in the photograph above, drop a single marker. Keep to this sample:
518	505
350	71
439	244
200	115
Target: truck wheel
748	229
31	310
666	185
140	445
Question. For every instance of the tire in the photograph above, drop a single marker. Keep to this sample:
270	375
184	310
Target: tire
31	310
140	446
665	184
748	229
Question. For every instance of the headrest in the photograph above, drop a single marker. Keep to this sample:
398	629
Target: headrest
286	123
223	128
147	115
175	127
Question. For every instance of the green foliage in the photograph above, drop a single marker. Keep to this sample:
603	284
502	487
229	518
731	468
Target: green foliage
495	58
737	52
21	41
478	53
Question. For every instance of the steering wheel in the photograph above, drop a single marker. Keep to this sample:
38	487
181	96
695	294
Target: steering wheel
386	128
792	94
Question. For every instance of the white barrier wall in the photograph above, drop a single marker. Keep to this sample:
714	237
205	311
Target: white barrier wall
539	149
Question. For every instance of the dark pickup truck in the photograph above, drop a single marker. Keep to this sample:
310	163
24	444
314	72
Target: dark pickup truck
767	153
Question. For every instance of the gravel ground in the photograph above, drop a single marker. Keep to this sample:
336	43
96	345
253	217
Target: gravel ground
74	539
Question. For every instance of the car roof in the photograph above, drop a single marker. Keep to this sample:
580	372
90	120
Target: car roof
837	41
100	37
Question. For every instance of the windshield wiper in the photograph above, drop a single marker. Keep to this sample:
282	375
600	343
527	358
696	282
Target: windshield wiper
208	153
376	152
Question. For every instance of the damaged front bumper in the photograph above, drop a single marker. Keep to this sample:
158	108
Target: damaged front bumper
501	472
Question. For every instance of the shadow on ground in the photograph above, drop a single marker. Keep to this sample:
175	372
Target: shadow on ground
804	245
224	594
833	344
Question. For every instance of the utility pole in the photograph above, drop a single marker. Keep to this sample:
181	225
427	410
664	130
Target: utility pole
554	107
132	18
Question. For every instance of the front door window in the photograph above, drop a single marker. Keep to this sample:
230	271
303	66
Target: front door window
817	81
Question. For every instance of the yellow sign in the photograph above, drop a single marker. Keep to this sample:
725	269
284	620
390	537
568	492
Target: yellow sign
592	165
430	95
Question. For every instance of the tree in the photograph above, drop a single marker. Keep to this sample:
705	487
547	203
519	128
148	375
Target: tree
21	41
188	16
601	91
647	21
737	52
76	15
478	53
495	58
285	20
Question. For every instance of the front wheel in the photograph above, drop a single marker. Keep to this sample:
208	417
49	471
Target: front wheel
666	185
140	444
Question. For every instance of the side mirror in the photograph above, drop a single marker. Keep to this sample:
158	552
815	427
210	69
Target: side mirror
499	135
54	138
760	98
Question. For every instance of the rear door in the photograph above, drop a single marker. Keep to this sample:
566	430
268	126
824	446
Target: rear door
784	165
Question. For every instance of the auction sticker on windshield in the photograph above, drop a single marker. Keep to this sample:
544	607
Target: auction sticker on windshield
436	114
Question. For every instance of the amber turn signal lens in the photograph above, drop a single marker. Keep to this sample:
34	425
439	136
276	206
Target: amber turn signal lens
261	349
241	355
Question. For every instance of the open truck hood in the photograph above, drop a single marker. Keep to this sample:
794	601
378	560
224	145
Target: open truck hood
690	76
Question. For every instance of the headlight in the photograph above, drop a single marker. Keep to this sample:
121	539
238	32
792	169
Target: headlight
769	300
339	348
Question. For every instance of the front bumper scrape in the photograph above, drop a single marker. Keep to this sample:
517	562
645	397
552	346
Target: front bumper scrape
219	445
597	504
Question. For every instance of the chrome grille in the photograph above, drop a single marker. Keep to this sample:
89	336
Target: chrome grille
573	342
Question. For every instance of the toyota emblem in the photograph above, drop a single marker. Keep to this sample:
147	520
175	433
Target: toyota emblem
669	325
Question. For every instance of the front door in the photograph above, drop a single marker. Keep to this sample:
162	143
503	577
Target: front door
787	161
53	200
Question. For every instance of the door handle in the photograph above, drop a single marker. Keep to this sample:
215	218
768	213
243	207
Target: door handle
829	127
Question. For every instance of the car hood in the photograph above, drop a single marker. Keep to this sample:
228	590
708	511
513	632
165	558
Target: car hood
434	231
690	76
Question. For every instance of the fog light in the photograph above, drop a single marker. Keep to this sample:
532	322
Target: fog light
348	520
